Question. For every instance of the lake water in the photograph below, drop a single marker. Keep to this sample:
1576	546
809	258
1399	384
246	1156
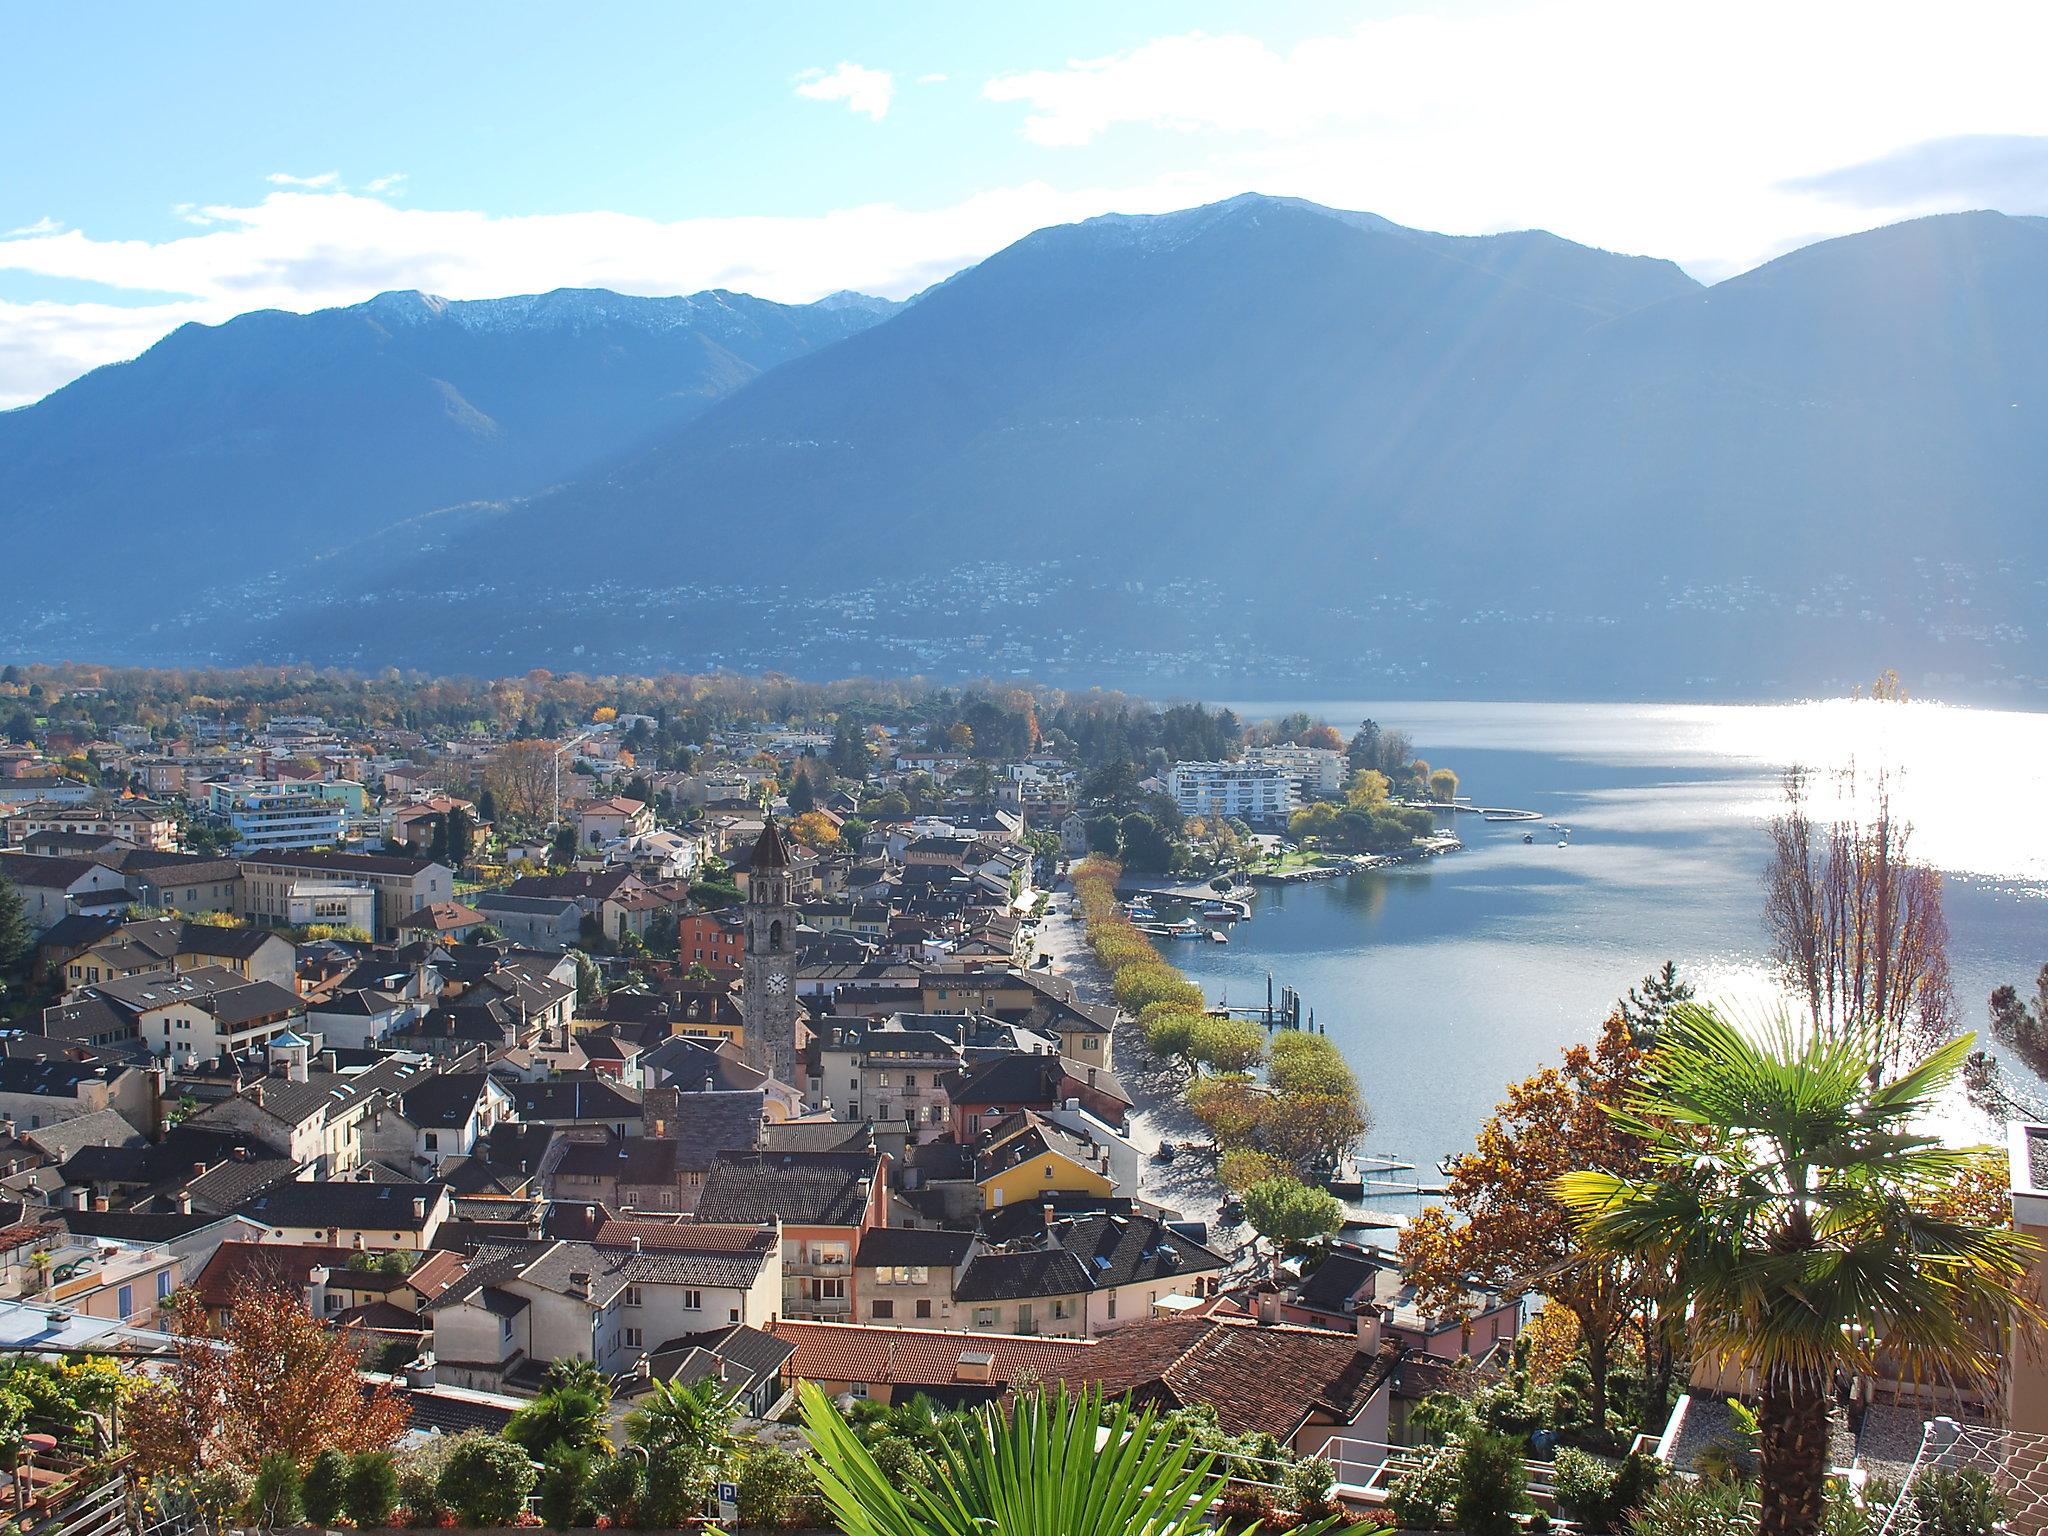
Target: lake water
1445	980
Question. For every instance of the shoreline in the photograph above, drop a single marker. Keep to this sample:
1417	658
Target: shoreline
1158	1113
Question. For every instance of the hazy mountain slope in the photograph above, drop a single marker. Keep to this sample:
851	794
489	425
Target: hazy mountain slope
1218	384
274	434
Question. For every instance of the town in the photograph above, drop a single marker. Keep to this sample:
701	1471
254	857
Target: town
709	1063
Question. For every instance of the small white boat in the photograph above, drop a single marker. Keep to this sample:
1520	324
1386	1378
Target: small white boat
1218	936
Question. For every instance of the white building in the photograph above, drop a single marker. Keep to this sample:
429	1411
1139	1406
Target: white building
1319	773
1253	792
280	818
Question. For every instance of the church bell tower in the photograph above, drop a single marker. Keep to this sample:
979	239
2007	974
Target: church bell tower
770	967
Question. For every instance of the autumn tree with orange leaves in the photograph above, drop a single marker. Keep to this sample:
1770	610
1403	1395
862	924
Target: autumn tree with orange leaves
269	1381
1500	1222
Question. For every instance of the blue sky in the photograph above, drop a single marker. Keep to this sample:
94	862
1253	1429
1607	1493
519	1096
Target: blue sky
175	163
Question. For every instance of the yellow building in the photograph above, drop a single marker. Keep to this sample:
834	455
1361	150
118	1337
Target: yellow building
1027	1158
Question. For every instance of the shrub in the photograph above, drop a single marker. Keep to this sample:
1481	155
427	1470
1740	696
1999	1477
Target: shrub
1956	1503
1420	1498
419	1481
1245	1512
274	1497
777	1490
1308	1483
678	1477
372	1490
485	1480
1585	1489
1685	1507
1153	982
325	1487
617	1485
1492	1484
564	1495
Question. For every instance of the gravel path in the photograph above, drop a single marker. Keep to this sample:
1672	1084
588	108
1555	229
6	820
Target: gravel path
1187	1184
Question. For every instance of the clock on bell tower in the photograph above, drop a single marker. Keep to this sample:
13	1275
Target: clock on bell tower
769	969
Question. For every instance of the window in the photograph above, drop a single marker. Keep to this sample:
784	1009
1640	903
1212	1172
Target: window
632	1295
1059	1309
126	1300
828	1290
693	1301
984	1317
924	1308
632	1338
433	1140
1112	1306
504	1327
163	1284
885	1309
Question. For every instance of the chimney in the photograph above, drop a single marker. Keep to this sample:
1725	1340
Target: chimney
81	1200
256	1095
636	1242
199	1170
419	1373
579	1284
1268	1308
1368	1331
316	1290
184	1202
1046	1211
99	1203
419	1208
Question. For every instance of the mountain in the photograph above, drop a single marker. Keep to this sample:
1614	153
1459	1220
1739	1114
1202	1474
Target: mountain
275	435
1269	446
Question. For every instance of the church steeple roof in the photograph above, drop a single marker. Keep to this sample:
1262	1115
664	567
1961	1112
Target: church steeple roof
770	851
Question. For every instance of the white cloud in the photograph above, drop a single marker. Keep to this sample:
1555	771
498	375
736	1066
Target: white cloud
43	226
302	251
384	184
286	179
864	90
1628	125
933	79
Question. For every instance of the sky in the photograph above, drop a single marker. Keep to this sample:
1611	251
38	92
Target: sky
167	164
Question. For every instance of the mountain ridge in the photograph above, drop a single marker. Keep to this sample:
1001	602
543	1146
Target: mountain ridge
1264	441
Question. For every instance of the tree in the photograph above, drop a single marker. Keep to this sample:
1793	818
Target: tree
1492	1484
485	1480
697	1417
1793	1193
570	1410
1227	1045
802	797
563	1494
1230	1107
1364	748
589	983
1289	1214
1051	1464
325	1487
16	937
521	777
269	1380
815	829
1857	927
487	806
776	1490
1501	1221
1146	847
461	837
1238	1170
850	756
1650	1004
1313	1130
563	849
372	1491
1321	735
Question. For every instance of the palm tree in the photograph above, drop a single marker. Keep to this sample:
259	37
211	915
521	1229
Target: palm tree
697	1418
1793	1198
1053	1465
570	1410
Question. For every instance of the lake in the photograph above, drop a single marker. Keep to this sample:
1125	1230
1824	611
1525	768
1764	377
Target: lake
1445	980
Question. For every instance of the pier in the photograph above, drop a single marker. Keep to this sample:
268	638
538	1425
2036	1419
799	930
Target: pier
1488	812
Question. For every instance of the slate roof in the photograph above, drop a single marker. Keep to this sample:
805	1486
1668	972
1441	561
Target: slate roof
1086	1253
936	1248
577	1098
818	1136
447	1099
1332	1284
346	1203
101	1126
820	1189
452	1413
1028	1079
1256	1378
748	1354
707	1124
635	1160
341	863
921	1357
